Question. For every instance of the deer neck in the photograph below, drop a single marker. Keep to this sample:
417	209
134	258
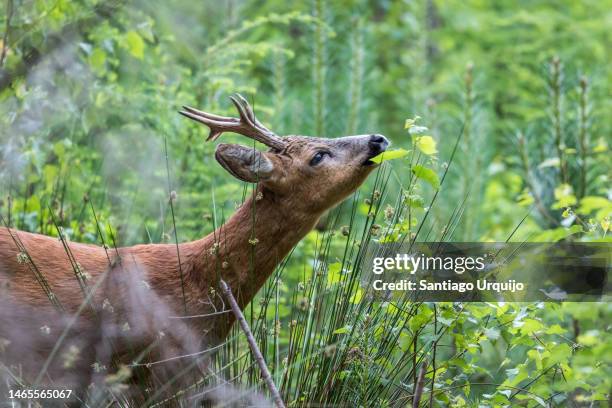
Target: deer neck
248	247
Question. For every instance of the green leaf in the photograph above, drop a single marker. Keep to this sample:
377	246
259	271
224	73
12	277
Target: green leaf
539	400
427	175
515	375
446	322
480	312
557	234
601	146
590	338
50	173
530	326
97	60
591	203
341	330
559	353
525	198
411	122
334	273
552	162
357	296
536	357
135	44
491	333
423	316
390	155
565	197
427	145
506	393
555	329
414	201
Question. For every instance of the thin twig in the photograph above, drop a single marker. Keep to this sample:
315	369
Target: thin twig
199	315
419	386
433	200
100	234
582	134
265	373
178	251
76	267
433	359
557	101
40	278
197	353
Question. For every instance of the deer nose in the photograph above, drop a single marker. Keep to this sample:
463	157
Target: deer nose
378	142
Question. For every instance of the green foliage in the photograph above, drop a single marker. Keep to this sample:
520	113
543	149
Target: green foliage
390	155
89	93
426	174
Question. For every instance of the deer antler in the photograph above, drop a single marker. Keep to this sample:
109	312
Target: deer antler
247	125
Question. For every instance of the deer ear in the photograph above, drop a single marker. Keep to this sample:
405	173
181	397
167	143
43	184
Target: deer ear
244	163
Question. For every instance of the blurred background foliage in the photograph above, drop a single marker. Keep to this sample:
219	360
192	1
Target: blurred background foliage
89	94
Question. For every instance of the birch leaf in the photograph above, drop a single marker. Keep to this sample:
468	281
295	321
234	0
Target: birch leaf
390	155
427	145
427	174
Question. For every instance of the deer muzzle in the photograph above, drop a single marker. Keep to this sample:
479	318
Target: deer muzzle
376	145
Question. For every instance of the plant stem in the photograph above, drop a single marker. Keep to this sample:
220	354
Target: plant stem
172	196
419	386
319	69
40	278
532	187
582	135
93	211
265	373
357	56
433	359
556	79
469	182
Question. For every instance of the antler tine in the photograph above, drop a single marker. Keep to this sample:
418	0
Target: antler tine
216	126
245	109
252	114
209	115
247	125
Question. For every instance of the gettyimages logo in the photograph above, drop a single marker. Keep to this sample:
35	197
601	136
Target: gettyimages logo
489	271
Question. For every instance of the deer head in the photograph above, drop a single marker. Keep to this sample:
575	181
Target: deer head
313	173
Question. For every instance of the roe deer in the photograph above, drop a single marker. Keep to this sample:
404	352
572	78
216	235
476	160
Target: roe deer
298	178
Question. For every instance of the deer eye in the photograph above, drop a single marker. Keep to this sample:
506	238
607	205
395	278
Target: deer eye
318	158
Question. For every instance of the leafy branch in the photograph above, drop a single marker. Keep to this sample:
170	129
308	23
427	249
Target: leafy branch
34	56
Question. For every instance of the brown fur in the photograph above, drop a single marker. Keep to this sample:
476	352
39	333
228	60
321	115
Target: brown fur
286	205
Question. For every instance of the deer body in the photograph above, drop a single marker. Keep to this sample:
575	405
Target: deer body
227	251
143	291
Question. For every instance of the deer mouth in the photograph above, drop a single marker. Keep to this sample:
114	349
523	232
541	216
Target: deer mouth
369	162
